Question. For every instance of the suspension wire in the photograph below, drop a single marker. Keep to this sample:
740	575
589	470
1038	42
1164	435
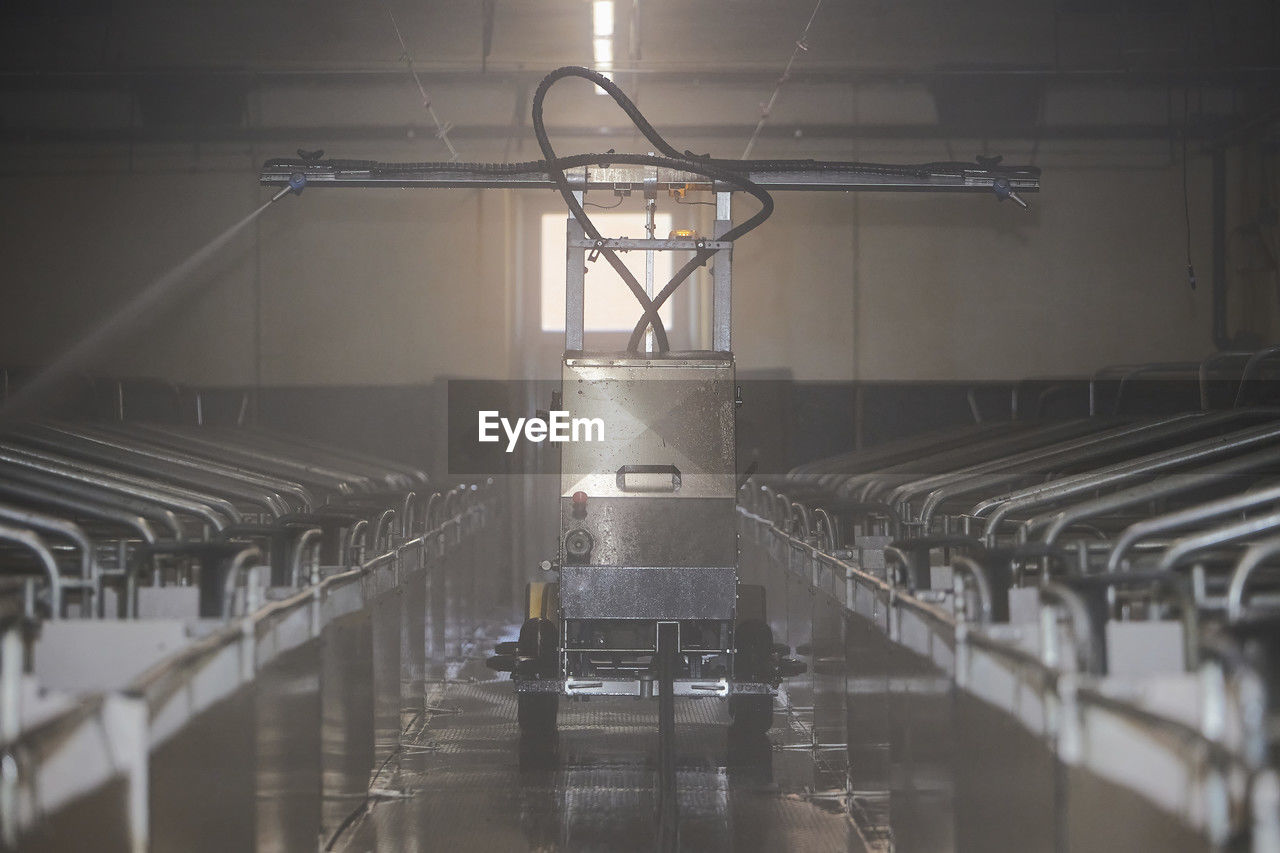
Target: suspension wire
442	128
767	108
1186	193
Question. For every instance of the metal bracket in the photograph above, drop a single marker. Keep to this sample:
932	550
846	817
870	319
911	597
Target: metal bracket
626	244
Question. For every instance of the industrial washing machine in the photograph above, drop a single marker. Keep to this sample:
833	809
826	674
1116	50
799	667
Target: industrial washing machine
648	602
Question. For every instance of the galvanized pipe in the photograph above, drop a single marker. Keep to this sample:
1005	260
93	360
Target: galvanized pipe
1257	554
33	543
1250	368
1184	518
310	539
69	531
1113	475
1033	463
1183	548
1059	521
971	568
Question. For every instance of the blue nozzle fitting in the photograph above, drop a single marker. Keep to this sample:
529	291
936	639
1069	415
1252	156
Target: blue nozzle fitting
1003	190
296	182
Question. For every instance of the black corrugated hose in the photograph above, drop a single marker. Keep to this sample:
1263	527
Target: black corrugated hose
731	172
673	159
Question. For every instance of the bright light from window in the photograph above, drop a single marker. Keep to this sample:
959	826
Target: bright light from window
602	46
604	54
602	17
610	307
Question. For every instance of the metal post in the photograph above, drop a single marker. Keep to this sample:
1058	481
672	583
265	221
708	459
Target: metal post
722	278
1221	333
129	727
575	279
650	208
11	661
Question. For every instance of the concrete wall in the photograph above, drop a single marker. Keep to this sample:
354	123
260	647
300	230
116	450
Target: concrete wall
398	286
370	287
1095	273
113	169
916	287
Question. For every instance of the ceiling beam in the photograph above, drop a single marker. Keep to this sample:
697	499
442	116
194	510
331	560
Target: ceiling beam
328	134
739	76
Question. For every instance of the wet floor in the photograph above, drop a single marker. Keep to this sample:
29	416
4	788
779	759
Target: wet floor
386	732
464	780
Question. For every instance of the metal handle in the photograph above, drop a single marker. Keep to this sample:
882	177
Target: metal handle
648	485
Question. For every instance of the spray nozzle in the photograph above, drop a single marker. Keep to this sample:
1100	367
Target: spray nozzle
297	181
1002	188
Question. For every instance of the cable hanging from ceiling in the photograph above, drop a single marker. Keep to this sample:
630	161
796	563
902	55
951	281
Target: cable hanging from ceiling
766	108
442	128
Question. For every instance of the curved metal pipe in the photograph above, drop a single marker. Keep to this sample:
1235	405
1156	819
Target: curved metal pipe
800	512
781	500
972	568
358	530
383	530
251	486
1057	596
1250	368
1170	367
903	561
1203	372
239	564
1057	522
1043	398
312	538
972	396
1111	475
450	501
1183	548
410	515
1257	554
218	513
67	530
1009	471
33	543
1176	586
1099	374
765	501
830	533
95	505
430	514
1138	531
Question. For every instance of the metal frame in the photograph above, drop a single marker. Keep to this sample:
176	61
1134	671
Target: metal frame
721	272
577	247
796	175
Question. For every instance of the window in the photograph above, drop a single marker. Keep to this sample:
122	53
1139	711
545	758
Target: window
610	306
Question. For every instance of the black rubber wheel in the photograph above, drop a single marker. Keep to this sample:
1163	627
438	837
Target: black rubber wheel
538	647
751	714
668	807
536	713
538	653
754	640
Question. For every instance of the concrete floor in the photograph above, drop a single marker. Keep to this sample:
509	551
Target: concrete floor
387	733
464	780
